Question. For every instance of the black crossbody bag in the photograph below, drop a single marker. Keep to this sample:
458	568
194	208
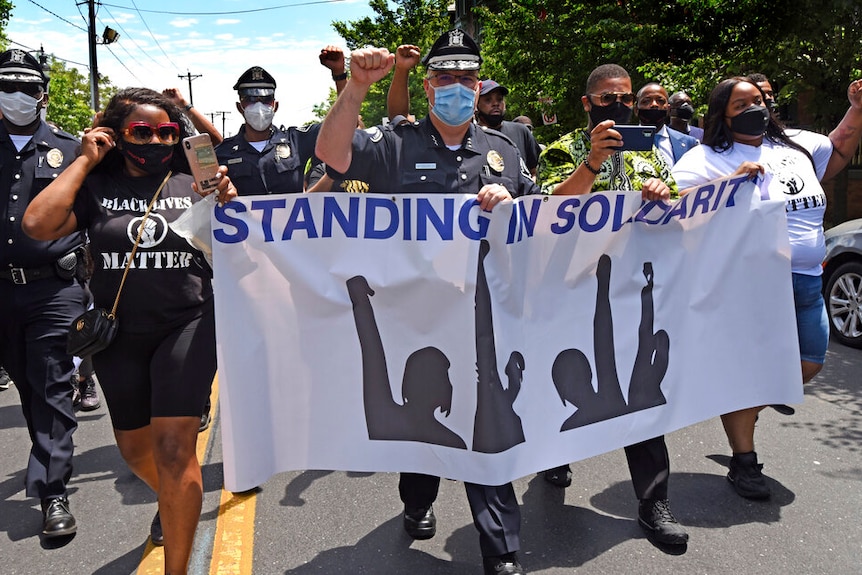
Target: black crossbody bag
95	329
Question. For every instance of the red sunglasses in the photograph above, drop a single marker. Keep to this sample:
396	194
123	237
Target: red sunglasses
142	132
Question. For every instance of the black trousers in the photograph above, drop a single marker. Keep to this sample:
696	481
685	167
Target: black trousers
35	320
495	510
649	466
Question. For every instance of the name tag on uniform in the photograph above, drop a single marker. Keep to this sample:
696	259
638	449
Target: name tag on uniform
234	161
428	166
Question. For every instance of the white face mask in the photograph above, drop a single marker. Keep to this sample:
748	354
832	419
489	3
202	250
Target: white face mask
259	116
19	108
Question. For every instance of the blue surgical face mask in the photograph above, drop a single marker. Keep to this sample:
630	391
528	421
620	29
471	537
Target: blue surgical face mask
454	104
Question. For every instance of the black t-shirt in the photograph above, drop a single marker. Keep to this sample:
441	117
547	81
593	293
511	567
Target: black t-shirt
523	138
168	283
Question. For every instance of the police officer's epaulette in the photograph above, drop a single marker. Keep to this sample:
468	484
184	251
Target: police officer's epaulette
304	128
61	134
493	132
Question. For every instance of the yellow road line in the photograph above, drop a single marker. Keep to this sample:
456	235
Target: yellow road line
153	560
233	548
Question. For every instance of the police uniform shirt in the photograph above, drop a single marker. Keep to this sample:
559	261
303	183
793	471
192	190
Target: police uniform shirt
278	169
412	158
168	283
524	139
23	175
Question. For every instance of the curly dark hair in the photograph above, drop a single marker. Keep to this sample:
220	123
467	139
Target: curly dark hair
718	135
122	105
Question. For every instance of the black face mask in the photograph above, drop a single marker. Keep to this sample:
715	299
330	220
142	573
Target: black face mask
152	158
491	120
652	116
684	112
751	122
618	112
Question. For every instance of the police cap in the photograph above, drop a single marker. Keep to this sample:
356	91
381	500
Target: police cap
453	50
19	66
489	86
255	82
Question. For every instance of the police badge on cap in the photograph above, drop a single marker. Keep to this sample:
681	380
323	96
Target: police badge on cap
255	82
19	66
454	50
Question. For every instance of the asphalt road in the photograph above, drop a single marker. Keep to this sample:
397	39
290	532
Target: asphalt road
319	522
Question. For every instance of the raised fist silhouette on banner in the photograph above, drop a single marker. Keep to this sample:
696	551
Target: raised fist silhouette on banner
572	375
425	386
497	427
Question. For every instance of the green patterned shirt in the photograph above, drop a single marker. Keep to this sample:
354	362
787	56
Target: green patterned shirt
622	171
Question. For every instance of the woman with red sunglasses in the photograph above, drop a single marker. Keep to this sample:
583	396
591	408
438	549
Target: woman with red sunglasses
157	372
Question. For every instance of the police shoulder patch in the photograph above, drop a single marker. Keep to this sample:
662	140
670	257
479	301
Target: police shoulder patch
375	133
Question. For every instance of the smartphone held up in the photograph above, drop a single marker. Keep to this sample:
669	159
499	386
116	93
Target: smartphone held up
202	161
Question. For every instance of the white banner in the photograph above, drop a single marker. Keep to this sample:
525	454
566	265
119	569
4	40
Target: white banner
416	333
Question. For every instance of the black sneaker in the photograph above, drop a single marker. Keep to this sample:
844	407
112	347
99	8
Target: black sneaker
76	391
156	535
5	380
746	476
89	394
503	565
657	521
420	523
783	409
206	420
559	476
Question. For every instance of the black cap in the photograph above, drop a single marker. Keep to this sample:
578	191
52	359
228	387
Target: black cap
255	82
453	50
489	86
19	66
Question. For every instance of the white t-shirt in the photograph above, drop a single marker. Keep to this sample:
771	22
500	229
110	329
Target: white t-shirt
793	177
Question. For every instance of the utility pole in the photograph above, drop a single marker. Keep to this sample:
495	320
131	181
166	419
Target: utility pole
109	36
94	68
223	114
190	77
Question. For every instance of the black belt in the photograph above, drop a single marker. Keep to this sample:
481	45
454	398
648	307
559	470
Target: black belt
21	276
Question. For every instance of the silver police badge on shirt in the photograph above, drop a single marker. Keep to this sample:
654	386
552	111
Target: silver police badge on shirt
54	157
282	151
495	160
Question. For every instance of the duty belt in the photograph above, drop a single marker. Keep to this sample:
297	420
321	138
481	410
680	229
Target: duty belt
23	276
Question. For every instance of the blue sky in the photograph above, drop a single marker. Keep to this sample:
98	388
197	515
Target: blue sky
161	40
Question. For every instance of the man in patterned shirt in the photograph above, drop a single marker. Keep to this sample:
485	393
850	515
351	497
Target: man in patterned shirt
585	161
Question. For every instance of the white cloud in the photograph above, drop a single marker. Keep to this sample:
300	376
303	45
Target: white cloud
183	22
121	18
288	52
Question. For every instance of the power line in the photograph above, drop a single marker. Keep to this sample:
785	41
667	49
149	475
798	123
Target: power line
230	12
29	49
154	36
131	39
122	45
123	64
57	16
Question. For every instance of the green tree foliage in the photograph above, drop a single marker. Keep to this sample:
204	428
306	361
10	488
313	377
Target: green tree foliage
69	97
396	22
547	48
5	13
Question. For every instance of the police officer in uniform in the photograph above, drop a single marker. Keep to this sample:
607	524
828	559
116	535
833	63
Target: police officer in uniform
261	158
442	153
40	290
